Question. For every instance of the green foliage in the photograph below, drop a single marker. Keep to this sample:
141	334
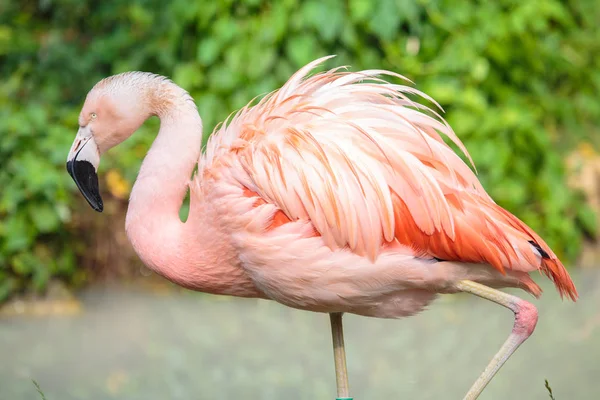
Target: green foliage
39	389
519	80
549	389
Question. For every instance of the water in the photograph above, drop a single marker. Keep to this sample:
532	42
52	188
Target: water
134	344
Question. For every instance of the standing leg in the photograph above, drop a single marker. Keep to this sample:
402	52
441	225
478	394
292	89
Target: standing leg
526	317
339	354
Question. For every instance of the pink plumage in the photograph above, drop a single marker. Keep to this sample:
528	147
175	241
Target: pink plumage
335	193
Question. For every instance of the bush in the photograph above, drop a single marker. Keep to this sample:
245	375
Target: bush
519	82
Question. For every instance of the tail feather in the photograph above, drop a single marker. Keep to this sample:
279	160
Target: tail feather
551	266
554	270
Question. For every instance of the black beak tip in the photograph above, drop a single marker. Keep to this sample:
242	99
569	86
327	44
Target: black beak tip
84	175
99	206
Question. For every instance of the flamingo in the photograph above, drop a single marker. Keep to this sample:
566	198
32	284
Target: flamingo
335	193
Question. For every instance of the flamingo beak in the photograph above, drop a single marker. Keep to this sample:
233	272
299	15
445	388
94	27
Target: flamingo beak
82	165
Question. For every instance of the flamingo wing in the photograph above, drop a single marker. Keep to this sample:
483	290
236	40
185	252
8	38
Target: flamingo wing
369	168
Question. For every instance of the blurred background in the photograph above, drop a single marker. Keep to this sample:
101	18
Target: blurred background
518	81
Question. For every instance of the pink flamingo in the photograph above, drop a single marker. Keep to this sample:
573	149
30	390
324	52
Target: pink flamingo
334	194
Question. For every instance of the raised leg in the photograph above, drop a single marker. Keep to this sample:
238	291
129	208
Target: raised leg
339	355
526	317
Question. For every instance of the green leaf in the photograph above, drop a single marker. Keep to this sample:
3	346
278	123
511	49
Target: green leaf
301	49
24	263
44	217
188	75
386	19
325	16
587	218
208	51
361	10
8	285
21	235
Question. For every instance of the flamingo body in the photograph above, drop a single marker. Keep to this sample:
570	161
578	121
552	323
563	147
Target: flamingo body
335	193
341	196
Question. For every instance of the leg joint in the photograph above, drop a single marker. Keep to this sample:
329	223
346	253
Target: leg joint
526	317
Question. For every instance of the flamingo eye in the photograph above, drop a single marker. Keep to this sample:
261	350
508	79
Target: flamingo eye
93	115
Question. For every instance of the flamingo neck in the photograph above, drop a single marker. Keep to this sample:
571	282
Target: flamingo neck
153	224
195	254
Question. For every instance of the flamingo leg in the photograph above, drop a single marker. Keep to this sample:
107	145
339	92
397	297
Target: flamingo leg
339	355
526	317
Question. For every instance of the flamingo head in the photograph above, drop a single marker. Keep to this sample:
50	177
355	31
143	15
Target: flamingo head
113	110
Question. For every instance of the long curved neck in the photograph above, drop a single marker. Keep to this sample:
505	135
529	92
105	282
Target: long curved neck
196	254
152	222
